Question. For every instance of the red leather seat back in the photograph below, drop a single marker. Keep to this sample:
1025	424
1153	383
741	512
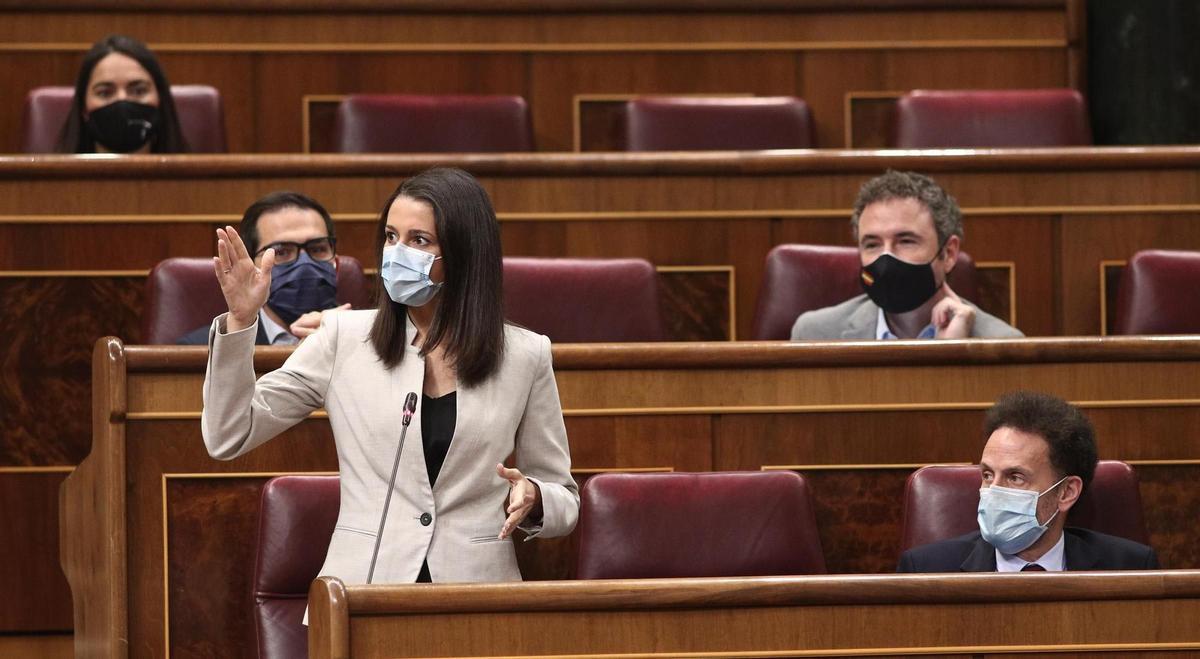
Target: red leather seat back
800	278
664	123
295	525
751	523
992	118
1154	294
182	294
391	123
940	502
584	300
201	117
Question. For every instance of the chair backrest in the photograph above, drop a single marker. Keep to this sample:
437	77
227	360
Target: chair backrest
940	502
394	123
295	523
182	294
584	300
199	107
751	523
1152	297
992	118
667	123
800	278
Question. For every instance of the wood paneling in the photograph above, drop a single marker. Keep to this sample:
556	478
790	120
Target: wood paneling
888	615
265	61
854	418
39	599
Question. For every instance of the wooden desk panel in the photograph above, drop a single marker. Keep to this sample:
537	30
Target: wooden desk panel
956	615
855	418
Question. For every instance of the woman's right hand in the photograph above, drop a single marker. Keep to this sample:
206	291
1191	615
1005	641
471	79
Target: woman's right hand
245	285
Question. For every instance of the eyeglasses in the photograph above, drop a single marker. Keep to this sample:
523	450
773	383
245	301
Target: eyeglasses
319	249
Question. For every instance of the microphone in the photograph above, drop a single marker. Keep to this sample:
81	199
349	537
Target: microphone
410	406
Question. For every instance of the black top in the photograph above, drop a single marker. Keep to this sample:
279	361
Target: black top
437	429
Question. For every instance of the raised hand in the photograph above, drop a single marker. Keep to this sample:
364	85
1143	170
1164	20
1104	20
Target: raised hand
953	318
244	285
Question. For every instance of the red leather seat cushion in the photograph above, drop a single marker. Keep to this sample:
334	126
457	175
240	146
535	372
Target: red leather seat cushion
383	123
1154	294
800	278
663	123
182	294
584	300
295	524
201	117
992	118
697	525
940	502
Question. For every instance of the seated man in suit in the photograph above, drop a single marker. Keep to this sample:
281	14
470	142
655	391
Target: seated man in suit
909	232
1039	456
304	279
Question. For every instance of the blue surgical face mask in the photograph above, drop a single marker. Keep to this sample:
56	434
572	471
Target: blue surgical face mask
302	286
1008	517
405	275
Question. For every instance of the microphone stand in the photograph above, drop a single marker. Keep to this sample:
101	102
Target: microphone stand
410	406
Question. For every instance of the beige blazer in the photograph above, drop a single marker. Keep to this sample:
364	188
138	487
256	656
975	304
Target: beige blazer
516	412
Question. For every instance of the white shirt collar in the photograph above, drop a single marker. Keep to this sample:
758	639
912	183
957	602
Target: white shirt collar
883	332
277	335
1053	560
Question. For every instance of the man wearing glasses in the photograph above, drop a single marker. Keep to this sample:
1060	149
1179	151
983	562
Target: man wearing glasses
304	279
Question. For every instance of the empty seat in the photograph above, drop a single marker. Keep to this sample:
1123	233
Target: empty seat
295	524
665	123
392	123
940	502
201	117
1152	297
800	278
928	119
750	523
584	300
182	294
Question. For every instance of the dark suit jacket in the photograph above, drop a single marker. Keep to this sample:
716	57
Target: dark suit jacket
1084	550
199	337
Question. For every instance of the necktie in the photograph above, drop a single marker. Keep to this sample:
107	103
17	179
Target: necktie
1033	567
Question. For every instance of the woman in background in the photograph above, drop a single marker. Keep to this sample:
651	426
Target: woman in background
122	103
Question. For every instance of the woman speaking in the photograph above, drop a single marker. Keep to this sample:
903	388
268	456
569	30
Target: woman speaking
486	391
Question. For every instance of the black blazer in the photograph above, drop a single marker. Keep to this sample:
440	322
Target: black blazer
1084	550
199	337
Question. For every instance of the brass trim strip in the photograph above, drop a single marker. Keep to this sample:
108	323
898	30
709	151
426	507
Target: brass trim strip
591	471
182	475
1012	284
862	467
880	652
694	268
1106	263
12	274
1162	463
616	216
565	47
54	469
166	571
770	409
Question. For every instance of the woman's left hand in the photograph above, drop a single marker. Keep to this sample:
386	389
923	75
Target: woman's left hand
524	499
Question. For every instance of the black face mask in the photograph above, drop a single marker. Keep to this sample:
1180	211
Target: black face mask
898	286
123	126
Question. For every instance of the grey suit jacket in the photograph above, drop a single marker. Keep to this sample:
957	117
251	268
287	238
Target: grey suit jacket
856	319
516	410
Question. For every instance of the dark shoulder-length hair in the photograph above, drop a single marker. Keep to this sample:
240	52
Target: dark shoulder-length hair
74	138
469	320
